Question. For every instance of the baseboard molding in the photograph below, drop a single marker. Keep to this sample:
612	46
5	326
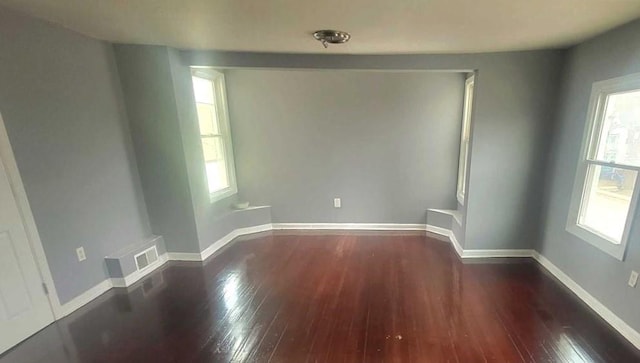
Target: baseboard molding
89	295
84	298
106	285
610	317
599	308
136	276
456	244
438	230
352	226
464	254
496	253
209	251
184	256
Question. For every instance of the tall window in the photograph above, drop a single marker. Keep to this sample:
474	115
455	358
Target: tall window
213	120
464	139
605	192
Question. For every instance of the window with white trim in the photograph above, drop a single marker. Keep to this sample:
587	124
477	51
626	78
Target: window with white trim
605	191
215	136
464	139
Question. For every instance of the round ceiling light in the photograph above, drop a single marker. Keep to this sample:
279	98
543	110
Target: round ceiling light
327	37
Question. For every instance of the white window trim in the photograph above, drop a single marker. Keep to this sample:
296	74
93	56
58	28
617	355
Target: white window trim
599	92
217	78
463	160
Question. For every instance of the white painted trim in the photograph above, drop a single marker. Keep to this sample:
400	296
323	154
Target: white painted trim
496	253
456	244
20	194
84	298
464	254
137	275
591	135
628	332
618	324
465	140
184	256
218	84
438	230
209	251
352	226
222	242
217	245
106	285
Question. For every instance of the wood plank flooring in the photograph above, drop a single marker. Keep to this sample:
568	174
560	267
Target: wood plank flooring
334	297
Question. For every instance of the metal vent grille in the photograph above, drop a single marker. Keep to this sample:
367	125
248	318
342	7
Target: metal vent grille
146	258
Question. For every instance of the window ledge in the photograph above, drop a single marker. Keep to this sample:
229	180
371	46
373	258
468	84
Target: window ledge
614	250
222	194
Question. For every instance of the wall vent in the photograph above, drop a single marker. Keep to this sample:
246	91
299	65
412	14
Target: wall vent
146	258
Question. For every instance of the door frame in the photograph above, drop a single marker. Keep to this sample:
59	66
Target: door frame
35	244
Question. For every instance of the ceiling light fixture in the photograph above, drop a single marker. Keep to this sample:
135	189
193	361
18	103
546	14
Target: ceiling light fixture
327	37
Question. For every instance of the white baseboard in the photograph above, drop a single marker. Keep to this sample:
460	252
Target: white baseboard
230	237
352	226
136	276
84	298
217	245
106	285
496	253
618	324
438	230
464	254
184	256
456	244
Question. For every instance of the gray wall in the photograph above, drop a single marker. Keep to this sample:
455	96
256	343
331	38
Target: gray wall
61	102
385	142
512	111
514	106
613	54
147	83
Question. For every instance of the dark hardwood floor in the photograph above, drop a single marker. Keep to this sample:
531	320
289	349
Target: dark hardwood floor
334	297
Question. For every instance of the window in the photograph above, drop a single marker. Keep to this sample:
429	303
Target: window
464	139
215	136
605	191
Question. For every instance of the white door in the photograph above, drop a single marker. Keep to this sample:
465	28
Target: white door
24	305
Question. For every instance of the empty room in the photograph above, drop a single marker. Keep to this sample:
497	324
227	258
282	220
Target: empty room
298	181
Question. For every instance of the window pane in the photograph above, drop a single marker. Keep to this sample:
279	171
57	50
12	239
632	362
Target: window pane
203	90
207	119
213	149
619	139
462	167
217	178
607	197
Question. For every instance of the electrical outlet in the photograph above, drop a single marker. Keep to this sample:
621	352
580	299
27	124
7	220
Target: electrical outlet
80	253
337	203
633	279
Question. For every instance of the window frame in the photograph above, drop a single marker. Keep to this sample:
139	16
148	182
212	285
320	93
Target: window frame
222	114
600	91
465	139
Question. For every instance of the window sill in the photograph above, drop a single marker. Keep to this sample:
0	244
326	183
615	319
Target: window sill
614	250
222	194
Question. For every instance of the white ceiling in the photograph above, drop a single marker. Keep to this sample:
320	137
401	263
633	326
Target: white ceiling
377	26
